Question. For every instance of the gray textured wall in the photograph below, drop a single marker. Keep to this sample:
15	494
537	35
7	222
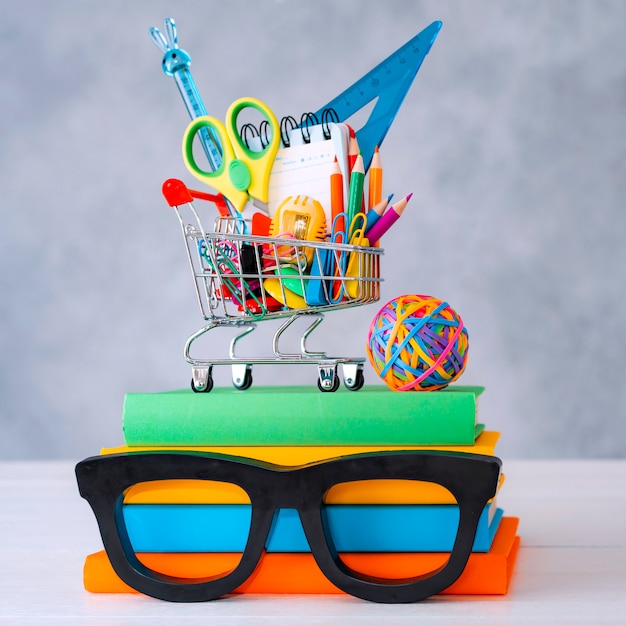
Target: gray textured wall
512	139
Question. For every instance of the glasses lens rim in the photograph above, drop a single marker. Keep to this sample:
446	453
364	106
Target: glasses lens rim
471	478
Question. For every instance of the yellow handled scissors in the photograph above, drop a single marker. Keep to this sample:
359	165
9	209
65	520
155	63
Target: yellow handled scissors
243	173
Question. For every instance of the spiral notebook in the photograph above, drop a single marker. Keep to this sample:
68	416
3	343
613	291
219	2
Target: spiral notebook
304	163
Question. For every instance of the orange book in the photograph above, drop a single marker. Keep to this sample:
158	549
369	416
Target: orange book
297	573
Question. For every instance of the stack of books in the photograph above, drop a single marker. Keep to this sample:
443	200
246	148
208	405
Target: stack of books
386	527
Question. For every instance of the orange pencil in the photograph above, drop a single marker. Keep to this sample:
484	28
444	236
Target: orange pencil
336	199
375	180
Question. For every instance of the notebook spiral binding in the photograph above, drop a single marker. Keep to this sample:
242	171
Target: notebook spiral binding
287	124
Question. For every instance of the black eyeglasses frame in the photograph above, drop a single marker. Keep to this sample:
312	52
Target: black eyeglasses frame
471	478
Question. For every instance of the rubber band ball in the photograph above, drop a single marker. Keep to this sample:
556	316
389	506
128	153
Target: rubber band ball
417	342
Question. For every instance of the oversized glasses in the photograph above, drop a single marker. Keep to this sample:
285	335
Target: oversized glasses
106	481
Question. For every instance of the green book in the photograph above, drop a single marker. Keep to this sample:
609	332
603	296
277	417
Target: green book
302	416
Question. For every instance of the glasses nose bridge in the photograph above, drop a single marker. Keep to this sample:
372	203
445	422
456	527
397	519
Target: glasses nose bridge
289	490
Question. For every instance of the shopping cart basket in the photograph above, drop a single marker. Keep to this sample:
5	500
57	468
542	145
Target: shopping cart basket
242	279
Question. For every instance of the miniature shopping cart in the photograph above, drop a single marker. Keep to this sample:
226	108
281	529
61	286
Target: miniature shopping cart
242	279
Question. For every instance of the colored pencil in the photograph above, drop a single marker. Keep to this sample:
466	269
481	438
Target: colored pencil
376	212
353	149
355	198
375	180
389	218
336	199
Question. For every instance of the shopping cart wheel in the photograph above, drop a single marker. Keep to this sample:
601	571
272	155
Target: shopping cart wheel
353	377
242	376
327	379
202	381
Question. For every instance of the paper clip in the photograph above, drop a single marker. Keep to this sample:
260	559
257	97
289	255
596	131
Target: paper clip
344	264
356	269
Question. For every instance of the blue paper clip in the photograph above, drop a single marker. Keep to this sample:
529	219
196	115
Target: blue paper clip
339	259
319	289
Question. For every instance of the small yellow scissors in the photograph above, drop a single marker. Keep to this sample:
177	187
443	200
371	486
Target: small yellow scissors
243	173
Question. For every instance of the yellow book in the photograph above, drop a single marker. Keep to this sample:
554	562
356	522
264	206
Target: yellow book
370	492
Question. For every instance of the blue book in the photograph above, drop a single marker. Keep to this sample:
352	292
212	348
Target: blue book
354	528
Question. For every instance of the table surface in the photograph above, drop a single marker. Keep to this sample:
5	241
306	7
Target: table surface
571	567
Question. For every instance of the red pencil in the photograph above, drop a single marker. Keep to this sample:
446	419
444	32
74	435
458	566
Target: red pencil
353	149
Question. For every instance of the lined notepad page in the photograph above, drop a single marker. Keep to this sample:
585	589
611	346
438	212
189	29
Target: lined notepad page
305	168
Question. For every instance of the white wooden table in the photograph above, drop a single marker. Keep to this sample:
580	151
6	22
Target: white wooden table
571	568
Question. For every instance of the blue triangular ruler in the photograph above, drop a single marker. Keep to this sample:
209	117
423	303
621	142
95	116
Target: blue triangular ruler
389	81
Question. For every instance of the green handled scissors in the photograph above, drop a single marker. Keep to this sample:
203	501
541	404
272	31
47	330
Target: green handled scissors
243	173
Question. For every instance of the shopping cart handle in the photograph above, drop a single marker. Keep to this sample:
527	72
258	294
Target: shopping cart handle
177	193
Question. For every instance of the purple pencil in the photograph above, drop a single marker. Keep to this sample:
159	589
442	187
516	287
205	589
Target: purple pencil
386	221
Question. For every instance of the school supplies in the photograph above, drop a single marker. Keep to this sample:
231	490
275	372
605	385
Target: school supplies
388	219
261	224
388	82
227	294
336	194
205	549
297	573
294	284
375	191
279	291
229	299
357	267
355	198
303	218
374	214
304	164
373	492
243	174
318	289
353	148
334	290
338	262
267	416
157	527
176	64
417	343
